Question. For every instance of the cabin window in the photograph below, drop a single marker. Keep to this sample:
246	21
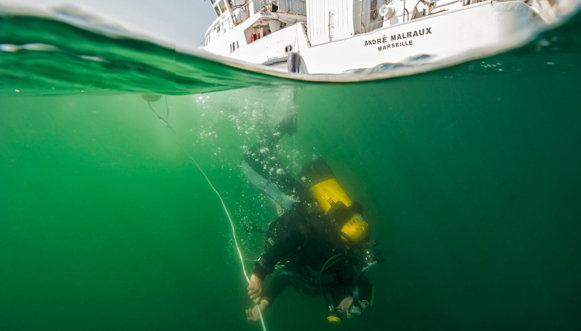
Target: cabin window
217	11
288	49
237	46
213	1
222	6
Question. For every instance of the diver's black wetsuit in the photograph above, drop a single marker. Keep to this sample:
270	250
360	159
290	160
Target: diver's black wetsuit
298	236
305	254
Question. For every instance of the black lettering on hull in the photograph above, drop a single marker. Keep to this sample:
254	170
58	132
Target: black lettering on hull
406	39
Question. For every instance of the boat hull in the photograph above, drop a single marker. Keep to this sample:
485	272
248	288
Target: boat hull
480	28
472	31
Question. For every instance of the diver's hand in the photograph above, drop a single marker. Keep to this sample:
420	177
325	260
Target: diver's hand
346	304
252	313
255	289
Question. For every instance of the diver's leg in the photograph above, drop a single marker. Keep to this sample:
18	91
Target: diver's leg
265	147
264	150
288	125
263	168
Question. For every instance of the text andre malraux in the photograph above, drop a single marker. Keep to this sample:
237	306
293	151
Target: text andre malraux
385	43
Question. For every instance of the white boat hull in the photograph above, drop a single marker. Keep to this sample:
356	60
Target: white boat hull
479	27
462	32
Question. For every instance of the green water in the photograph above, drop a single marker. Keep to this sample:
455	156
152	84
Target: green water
470	177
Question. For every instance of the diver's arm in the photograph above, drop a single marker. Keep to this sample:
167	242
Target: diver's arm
265	265
283	247
255	289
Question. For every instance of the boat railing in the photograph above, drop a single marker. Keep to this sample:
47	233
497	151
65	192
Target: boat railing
218	29
245	8
368	15
367	11
297	7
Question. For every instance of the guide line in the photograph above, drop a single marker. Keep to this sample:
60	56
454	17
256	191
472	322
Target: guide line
219	197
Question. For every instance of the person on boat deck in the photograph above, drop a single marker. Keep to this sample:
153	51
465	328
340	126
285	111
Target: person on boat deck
313	251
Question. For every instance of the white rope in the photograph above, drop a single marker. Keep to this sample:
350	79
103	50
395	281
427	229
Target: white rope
231	224
221	200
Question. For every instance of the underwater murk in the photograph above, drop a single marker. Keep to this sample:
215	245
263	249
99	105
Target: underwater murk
469	175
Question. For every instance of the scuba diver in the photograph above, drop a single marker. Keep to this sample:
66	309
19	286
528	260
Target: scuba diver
319	240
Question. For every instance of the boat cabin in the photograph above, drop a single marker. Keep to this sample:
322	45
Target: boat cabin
267	17
324	20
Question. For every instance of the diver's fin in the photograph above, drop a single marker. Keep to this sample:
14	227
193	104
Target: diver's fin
288	125
279	209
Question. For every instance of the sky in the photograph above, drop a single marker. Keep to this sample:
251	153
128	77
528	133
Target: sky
193	26
184	21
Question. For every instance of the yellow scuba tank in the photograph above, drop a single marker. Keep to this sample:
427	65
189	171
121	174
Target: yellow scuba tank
334	201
